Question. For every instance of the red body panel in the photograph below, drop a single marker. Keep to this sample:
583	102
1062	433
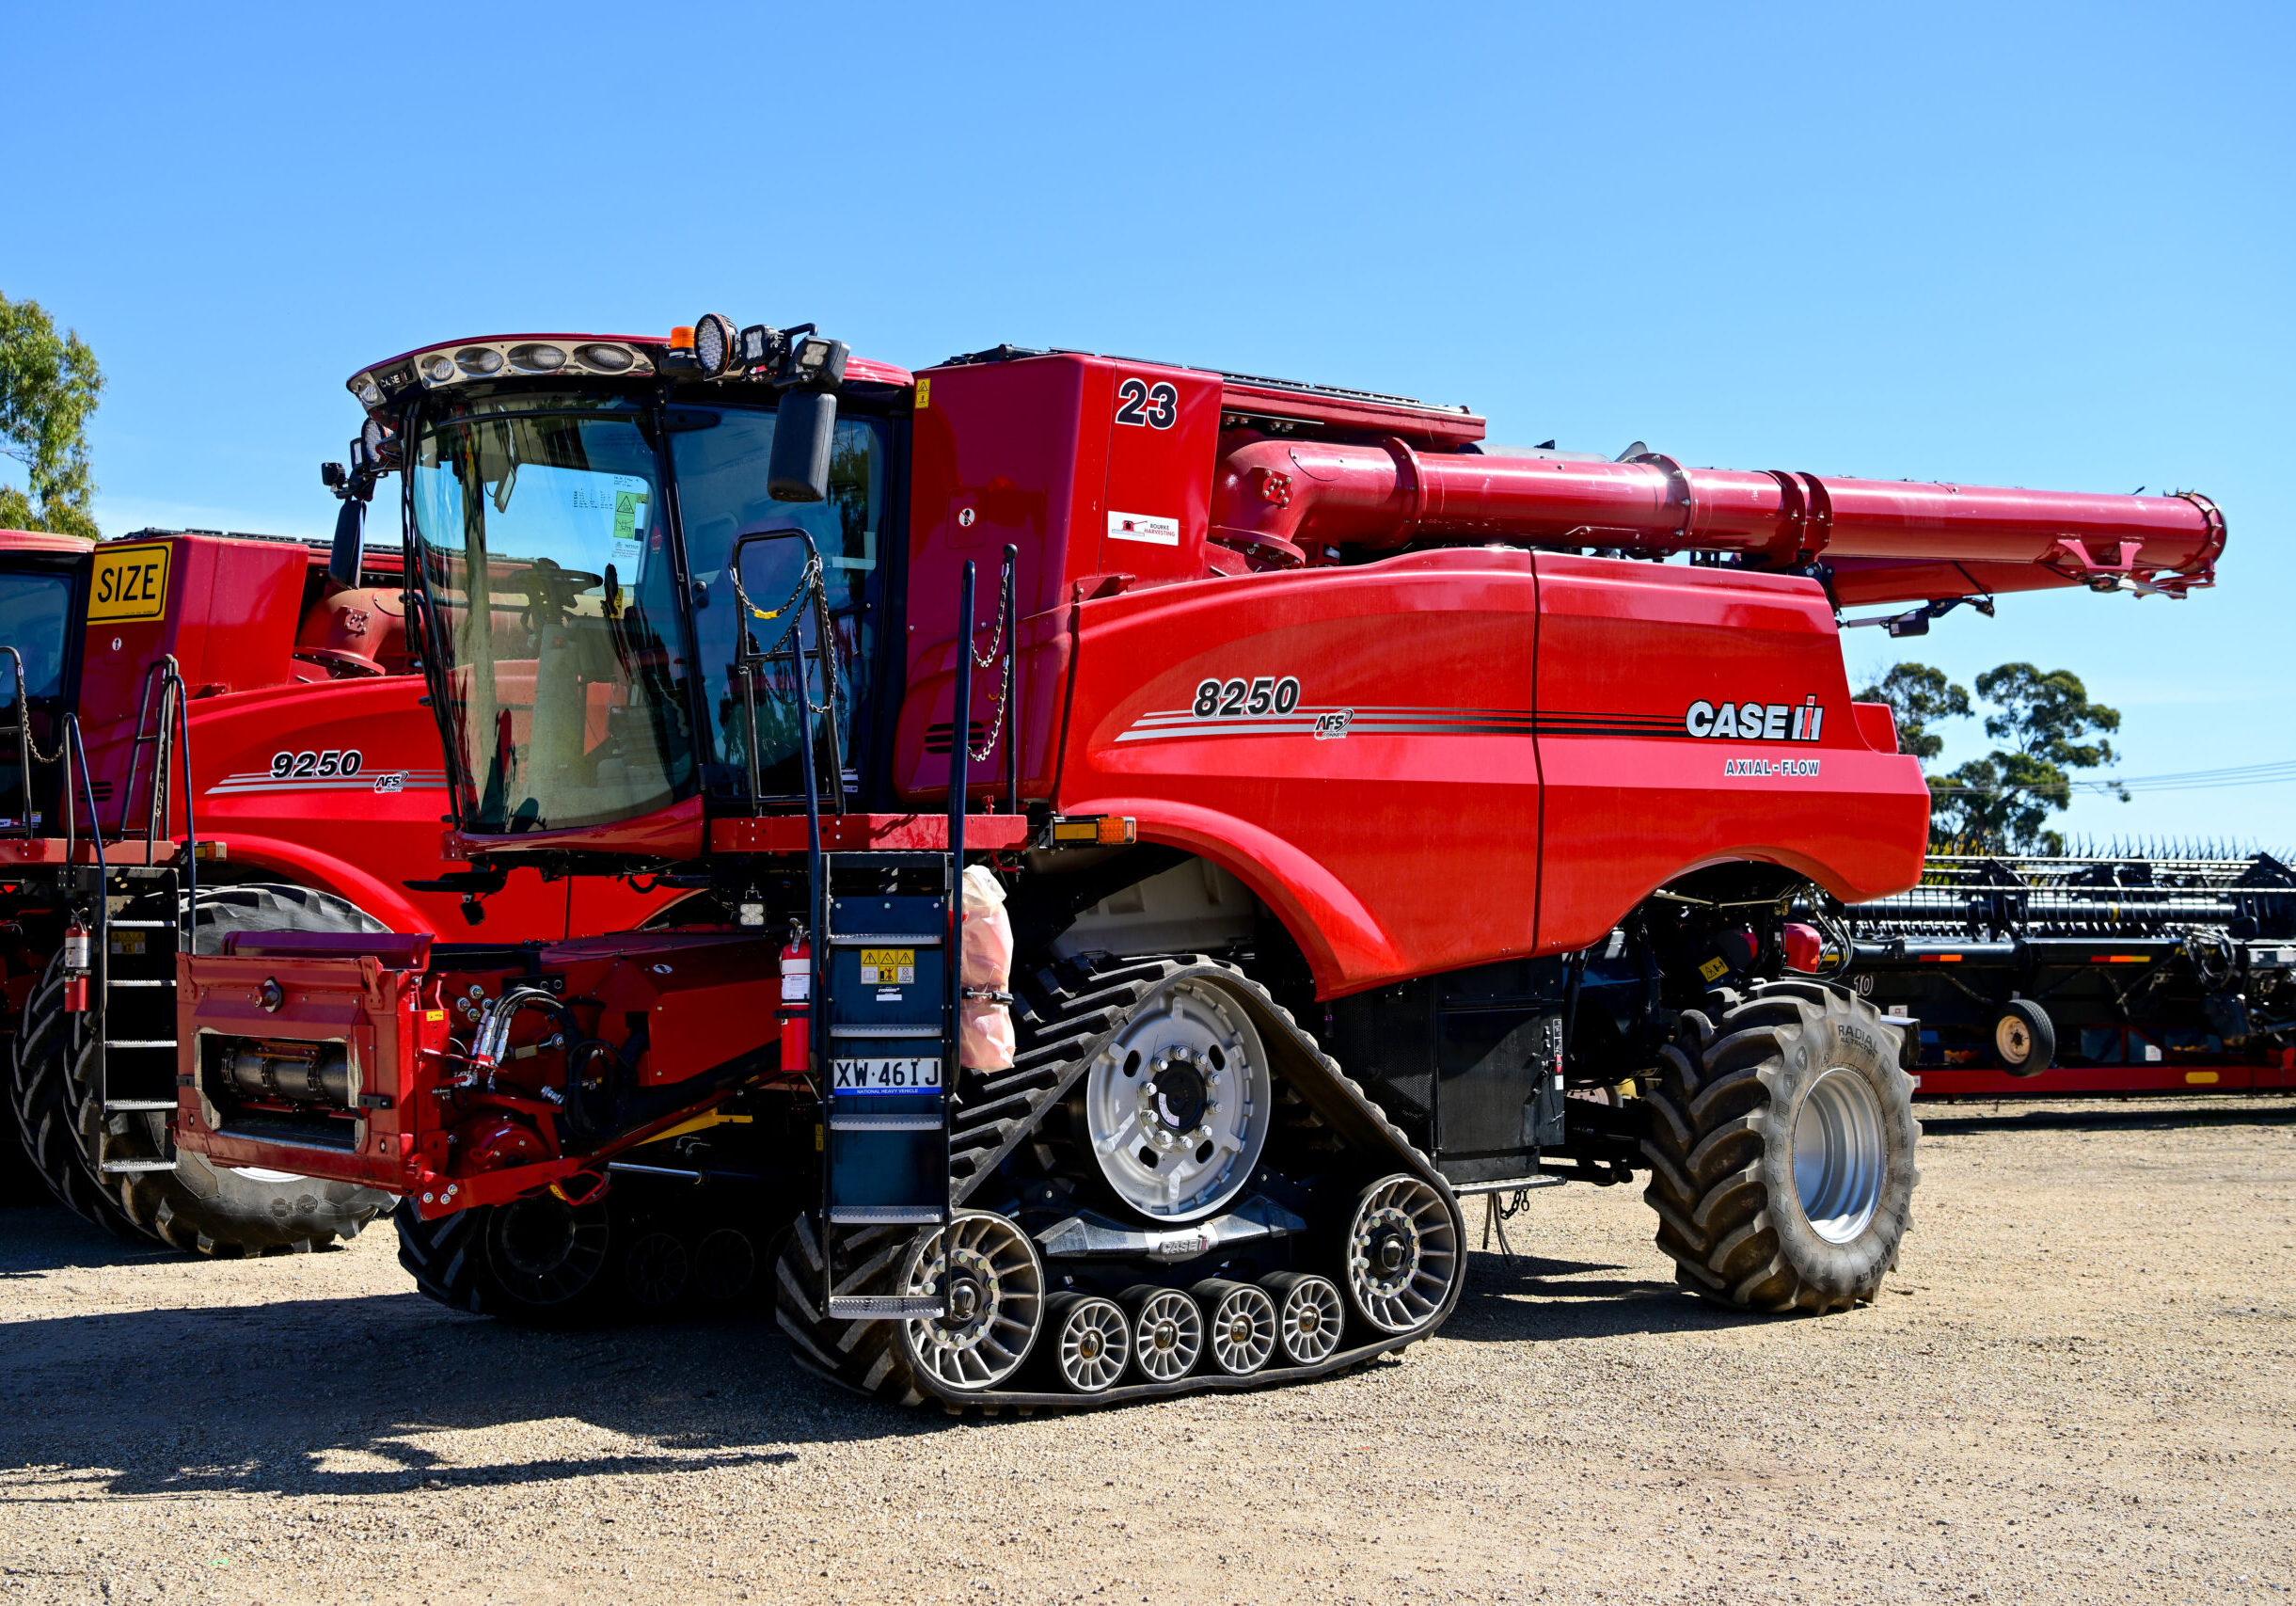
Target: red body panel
1462	696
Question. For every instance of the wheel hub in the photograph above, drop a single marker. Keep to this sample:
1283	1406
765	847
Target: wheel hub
1177	1107
1393	1246
536	1236
1838	1156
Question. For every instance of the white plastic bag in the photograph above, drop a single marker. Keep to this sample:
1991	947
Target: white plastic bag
984	1037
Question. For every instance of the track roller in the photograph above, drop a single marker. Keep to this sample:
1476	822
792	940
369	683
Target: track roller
1402	1254
1167	1332
656	1270
986	1271
1089	1339
1308	1318
1241	1322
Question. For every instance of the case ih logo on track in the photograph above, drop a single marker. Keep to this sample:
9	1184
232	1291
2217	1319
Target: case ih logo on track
1755	722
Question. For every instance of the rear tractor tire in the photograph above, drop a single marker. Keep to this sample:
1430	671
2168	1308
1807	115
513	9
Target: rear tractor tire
536	1263
199	1207
1781	1151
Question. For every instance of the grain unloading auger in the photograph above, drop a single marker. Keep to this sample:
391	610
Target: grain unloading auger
1112	990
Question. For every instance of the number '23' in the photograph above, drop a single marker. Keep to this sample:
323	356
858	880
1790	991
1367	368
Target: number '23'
1156	405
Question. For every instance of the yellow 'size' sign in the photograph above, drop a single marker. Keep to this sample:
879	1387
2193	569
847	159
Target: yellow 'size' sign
131	582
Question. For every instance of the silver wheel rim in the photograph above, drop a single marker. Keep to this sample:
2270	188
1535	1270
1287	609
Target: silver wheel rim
1167	1336
1310	1320
1242	1330
1178	1105
1401	1254
986	1273
1094	1342
2013	1039
1839	1155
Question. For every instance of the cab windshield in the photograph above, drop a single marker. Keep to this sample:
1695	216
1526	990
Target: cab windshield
545	555
575	697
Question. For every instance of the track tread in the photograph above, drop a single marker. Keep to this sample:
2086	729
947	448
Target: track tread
1061	1030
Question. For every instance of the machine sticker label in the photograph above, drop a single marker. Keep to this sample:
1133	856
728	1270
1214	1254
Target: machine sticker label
1148	527
888	967
884	1075
1789	768
1755	722
1274	705
329	769
1714	969
130	582
1156	405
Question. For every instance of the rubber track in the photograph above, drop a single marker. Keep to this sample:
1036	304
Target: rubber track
1059	1039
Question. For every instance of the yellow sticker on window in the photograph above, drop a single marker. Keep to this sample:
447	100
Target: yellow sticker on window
888	967
131	582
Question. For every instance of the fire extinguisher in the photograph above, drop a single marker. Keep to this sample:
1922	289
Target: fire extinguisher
77	960
797	1001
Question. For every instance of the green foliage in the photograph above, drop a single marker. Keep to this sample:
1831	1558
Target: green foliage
48	388
1917	695
2002	804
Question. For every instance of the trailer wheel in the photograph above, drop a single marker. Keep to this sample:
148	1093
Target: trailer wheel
2024	1038
1781	1151
199	1207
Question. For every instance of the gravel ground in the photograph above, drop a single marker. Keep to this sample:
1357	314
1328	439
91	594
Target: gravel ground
2080	1386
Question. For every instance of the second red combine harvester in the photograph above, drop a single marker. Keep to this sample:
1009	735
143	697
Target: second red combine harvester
1363	818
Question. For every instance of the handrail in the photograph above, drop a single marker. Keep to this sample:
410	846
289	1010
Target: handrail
812	587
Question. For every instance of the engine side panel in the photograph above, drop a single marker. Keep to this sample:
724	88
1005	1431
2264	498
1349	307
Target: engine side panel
1636	657
1376	751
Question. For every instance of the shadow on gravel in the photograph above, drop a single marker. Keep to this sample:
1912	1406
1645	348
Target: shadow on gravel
1534	1298
49	1238
2166	1114
339	1396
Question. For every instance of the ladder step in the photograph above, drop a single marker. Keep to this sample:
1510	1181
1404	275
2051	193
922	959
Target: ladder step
887	1215
885	1031
136	981
878	1307
884	940
116	1167
873	1123
139	1104
139	1043
140	925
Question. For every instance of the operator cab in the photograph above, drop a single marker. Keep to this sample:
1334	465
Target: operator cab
43	583
574	506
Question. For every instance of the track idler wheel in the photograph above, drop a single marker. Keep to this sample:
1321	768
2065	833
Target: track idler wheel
1239	1321
1403	1255
1090	1340
990	1280
1308	1318
1167	1332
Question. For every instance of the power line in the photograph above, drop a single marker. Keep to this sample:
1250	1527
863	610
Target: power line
2278	772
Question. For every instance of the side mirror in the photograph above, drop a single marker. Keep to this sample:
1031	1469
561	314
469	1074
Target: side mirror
350	541
803	434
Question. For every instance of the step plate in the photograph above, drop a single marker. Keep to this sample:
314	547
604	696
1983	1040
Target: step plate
884	1306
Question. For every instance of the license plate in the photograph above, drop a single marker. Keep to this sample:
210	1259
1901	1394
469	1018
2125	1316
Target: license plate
886	1075
888	967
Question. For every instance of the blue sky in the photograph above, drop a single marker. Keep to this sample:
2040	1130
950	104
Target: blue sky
2002	245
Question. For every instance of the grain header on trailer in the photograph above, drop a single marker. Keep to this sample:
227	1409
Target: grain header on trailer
1152	840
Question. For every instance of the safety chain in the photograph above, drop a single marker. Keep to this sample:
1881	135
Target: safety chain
810	582
996	655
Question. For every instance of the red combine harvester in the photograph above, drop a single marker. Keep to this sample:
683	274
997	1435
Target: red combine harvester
190	714
1365	818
